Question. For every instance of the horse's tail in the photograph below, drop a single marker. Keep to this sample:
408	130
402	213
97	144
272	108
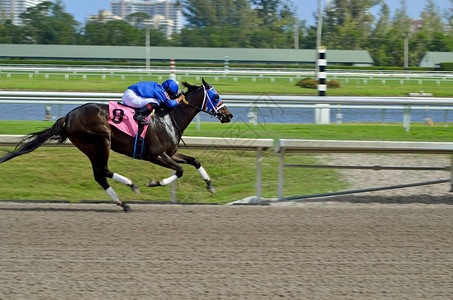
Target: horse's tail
34	140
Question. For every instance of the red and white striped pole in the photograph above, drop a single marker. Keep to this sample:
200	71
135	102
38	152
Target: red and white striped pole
172	69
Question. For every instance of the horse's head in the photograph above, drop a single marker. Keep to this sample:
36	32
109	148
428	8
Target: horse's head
208	100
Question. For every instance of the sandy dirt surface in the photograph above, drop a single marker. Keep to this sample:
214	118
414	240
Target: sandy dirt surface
323	250
361	179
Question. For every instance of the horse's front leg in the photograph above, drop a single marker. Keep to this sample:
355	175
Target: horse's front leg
184	159
167	162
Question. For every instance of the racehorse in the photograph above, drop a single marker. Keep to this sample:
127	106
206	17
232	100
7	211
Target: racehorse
88	129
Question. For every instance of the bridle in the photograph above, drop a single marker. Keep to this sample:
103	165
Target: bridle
204	105
203	108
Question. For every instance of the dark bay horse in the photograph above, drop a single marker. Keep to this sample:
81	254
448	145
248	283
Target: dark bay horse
87	128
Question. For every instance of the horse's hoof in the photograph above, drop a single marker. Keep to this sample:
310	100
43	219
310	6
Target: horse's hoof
153	183
210	187
126	207
135	188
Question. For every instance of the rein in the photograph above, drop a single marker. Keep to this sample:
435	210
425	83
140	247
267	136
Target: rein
206	98
204	104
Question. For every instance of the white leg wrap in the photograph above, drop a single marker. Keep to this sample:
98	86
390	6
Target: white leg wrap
112	194
168	180
122	179
203	173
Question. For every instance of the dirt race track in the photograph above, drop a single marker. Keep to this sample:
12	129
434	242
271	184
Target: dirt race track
323	250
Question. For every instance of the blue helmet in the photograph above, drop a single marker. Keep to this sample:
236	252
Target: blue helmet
171	87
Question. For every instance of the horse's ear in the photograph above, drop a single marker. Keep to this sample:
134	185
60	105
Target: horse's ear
189	86
204	82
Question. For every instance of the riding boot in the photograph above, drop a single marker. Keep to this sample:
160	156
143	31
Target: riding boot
142	113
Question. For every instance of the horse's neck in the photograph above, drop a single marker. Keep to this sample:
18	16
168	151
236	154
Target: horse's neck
183	114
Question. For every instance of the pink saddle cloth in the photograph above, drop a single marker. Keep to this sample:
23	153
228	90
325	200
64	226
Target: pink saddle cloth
122	117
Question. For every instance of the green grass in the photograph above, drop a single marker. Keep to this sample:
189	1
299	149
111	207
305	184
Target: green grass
227	85
387	132
383	132
65	173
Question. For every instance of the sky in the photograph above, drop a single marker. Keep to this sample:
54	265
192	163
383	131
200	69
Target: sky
80	9
413	7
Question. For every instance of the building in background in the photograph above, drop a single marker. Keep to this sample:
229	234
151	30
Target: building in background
165	15
166	26
103	16
434	59
11	9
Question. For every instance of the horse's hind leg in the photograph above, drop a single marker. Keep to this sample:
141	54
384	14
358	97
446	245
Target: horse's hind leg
184	159
98	153
167	162
101	173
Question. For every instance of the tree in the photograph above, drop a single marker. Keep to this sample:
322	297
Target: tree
377	45
48	23
217	23
238	23
156	37
267	10
449	17
218	13
95	33
121	33
307	36
431	31
116	32
10	33
400	26
348	23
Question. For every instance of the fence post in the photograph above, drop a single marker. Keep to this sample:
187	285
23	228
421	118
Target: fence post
48	110
258	174
322	111
322	63
226	65
407	118
281	174
172	69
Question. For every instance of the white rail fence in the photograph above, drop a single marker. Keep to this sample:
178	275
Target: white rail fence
345	77
284	146
252	102
193	71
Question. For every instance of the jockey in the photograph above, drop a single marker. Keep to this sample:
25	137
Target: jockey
149	95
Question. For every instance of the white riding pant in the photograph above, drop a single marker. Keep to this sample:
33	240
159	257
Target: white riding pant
133	100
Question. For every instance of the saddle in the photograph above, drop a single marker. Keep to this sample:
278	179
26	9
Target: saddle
121	117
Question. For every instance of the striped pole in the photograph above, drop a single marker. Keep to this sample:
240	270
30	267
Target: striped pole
172	69
322	111
322	75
